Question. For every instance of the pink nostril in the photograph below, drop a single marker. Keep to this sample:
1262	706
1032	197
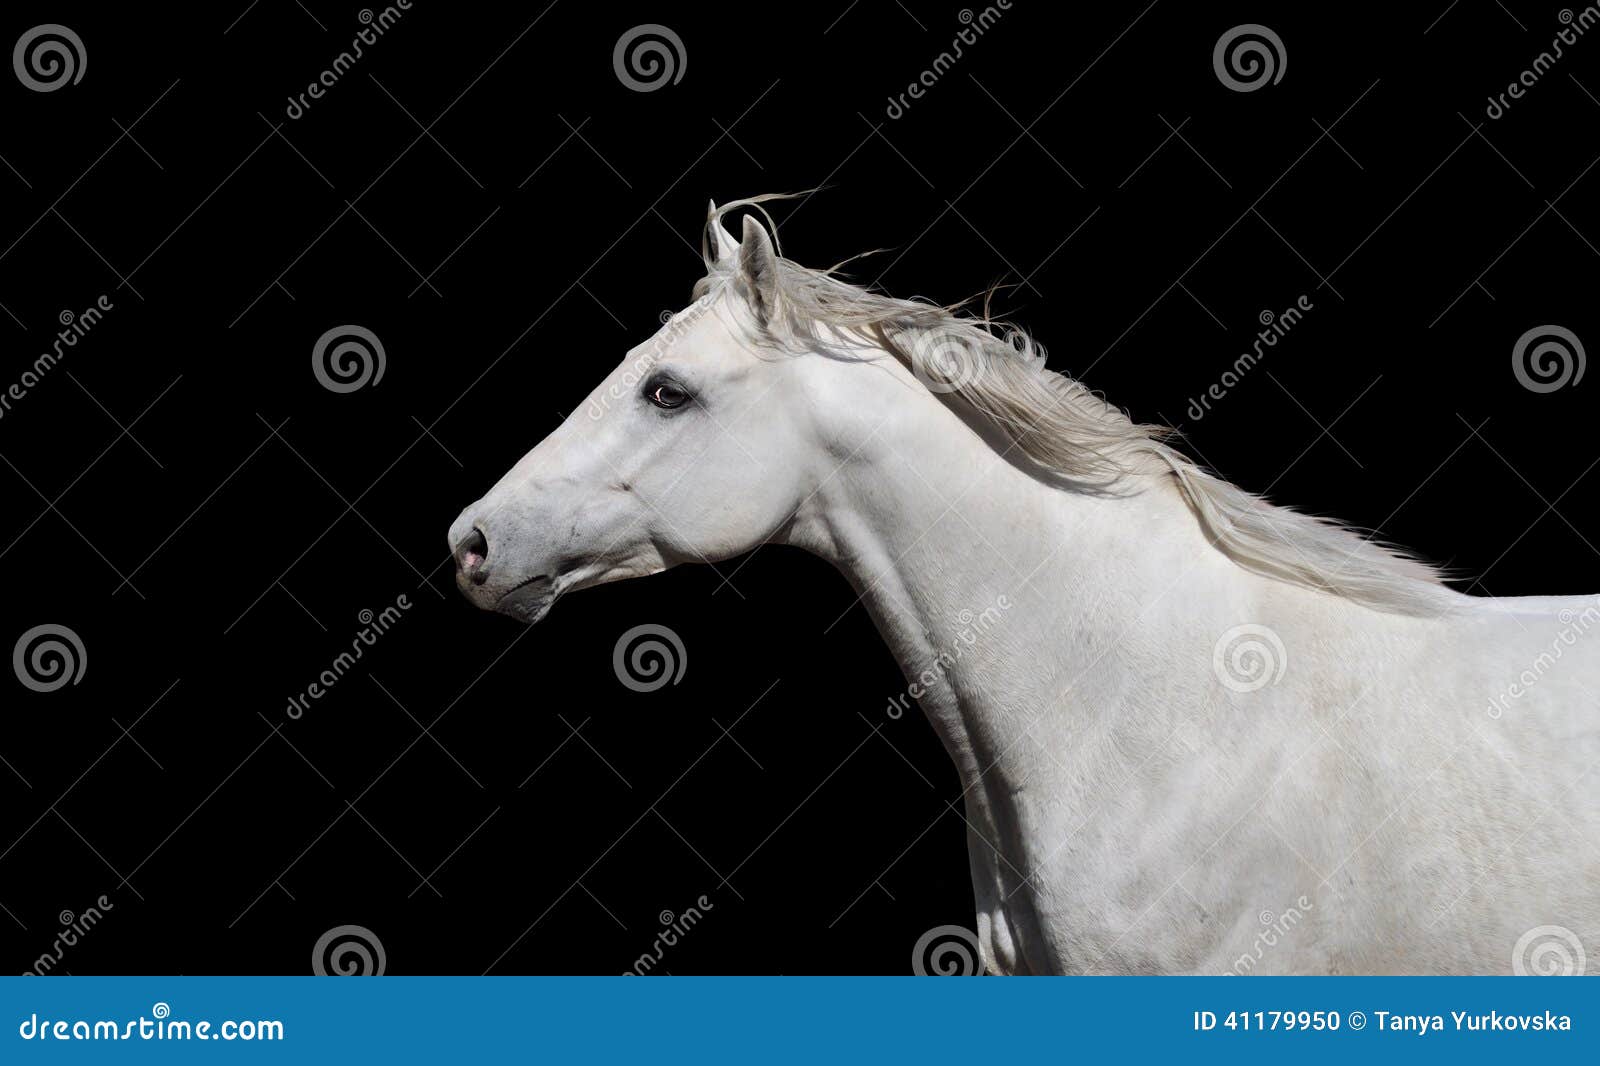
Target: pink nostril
471	554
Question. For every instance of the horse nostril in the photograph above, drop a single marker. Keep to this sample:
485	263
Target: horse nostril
471	555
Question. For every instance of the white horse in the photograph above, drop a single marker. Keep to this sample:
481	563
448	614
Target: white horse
1197	732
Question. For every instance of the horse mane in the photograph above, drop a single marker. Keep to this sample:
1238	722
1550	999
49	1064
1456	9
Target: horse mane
1073	437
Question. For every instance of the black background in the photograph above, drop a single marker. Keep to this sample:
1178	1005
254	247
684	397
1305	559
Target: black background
185	444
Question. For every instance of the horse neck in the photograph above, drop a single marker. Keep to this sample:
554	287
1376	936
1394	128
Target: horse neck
993	590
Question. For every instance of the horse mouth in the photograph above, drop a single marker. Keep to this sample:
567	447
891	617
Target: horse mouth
528	601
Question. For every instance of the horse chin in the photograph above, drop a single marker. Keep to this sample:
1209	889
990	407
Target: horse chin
528	603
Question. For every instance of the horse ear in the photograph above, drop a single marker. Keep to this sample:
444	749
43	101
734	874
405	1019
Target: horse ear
758	268
722	245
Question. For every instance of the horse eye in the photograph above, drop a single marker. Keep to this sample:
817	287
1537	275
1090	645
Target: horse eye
667	396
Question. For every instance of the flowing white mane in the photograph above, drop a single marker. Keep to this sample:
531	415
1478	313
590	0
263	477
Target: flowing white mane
1072	437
